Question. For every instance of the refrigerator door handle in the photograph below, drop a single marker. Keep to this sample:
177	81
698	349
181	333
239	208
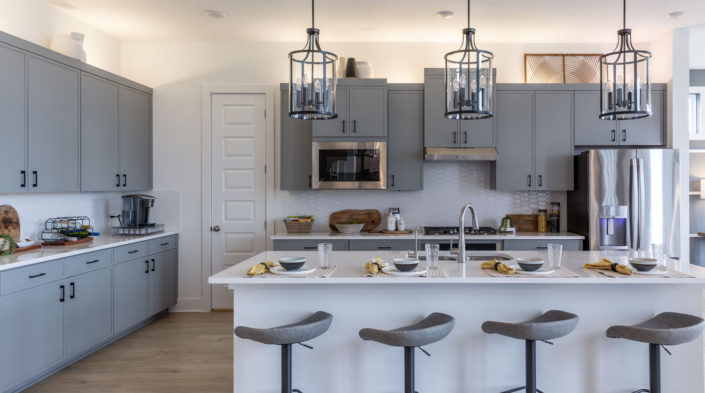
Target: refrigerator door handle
633	204
642	204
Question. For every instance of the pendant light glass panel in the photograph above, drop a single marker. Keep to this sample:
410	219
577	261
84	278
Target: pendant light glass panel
312	81
468	79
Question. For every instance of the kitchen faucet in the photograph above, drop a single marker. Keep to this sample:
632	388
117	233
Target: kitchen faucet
461	229
415	254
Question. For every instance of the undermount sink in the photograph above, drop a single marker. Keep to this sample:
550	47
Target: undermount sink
441	258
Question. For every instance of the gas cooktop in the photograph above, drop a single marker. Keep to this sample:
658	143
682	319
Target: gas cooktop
454	231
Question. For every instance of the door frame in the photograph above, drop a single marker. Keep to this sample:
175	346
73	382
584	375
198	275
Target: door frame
207	91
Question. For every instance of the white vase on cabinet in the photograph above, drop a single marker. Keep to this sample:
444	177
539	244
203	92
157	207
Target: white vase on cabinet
364	70
70	45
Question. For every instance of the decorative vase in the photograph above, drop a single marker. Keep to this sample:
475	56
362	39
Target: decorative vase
364	69
351	69
70	45
342	66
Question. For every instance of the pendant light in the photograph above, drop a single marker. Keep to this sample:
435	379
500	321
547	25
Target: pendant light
468	79
625	79
312	79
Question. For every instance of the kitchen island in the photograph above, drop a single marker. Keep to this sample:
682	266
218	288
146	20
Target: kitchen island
468	360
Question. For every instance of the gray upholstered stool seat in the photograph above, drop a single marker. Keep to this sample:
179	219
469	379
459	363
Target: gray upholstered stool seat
305	330
668	328
431	329
549	326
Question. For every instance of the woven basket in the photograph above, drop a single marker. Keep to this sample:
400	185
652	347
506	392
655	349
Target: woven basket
299	226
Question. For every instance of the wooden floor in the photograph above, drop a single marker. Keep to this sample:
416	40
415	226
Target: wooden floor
181	352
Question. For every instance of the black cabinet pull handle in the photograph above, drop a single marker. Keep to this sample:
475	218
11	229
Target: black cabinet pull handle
97	260
164	244
24	179
118	183
146	270
540	181
455	137
466	137
614	135
392	185
384	247
542	248
310	181
311	248
354	125
154	264
343	126
73	291
624	135
124	182
132	252
528	180
38	275
36	178
63	293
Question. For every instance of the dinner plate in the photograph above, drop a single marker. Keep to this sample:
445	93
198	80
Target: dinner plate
280	270
658	270
396	272
543	270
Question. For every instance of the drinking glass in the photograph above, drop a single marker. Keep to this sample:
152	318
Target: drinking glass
324	252
554	255
659	252
432	256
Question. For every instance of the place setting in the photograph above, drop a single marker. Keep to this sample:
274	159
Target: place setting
296	267
406	267
637	268
531	267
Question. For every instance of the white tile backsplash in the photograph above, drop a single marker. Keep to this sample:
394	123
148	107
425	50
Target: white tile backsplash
447	187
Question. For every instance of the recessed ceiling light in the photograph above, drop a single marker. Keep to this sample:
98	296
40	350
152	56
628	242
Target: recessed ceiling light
445	14
215	14
677	15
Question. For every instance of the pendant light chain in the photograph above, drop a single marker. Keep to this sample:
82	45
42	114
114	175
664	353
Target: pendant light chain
313	14
468	14
624	15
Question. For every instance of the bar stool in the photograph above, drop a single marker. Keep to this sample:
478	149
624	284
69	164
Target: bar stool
667	328
431	329
549	326
286	336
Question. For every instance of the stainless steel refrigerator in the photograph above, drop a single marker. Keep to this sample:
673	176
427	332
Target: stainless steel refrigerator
626	199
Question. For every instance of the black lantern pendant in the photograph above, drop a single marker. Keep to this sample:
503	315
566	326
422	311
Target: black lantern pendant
312	79
625	79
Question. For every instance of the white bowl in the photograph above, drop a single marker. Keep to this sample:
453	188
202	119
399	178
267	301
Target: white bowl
349	228
25	244
292	259
644	261
530	261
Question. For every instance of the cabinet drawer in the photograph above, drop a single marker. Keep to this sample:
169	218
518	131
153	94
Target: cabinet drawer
381	245
30	276
308	245
88	262
162	244
130	252
540	245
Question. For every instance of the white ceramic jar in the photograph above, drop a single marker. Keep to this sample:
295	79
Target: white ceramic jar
69	45
364	69
391	222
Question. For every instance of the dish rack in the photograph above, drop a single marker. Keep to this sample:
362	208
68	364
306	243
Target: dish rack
63	229
138	231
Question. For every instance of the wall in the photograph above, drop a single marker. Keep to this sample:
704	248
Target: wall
177	70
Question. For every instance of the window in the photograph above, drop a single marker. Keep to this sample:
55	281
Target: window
694	113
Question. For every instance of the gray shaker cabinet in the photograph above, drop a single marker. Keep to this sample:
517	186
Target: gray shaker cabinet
439	131
53	127
135	140
296	137
405	155
100	134
340	126
368	111
130	293
590	130
13	115
477	133
162	281
515	141
554	140
648	131
89	311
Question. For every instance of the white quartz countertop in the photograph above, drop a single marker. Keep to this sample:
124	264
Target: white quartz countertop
45	254
350	264
383	236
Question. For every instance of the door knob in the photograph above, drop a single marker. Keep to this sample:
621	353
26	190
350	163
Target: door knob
216	229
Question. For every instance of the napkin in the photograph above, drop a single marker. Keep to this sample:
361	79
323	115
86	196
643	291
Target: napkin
498	266
260	268
375	265
606	264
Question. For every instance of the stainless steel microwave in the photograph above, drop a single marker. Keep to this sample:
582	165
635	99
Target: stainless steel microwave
349	166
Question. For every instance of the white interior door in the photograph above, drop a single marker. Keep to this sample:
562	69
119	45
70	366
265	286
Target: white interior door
238	184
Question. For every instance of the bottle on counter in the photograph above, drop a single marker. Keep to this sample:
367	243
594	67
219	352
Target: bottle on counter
543	220
391	222
401	224
556	208
554	221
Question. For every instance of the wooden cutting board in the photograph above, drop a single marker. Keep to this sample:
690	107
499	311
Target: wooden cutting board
370	217
9	222
525	222
386	232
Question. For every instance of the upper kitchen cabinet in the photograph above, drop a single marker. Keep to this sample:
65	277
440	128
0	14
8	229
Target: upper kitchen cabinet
515	141
13	116
440	131
590	130
296	138
135	140
53	126
361	105
553	149
100	134
405	147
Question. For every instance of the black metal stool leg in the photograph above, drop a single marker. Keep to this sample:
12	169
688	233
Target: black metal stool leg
530	366
655	368
286	368
409	370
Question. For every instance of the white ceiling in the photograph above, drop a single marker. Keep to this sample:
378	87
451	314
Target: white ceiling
383	20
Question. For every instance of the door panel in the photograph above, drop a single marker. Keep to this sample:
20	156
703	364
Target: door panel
515	140
439	131
135	140
368	111
648	131
100	159
162	281
238	183
13	115
477	133
89	310
131	293
296	138
336	127
554	140
405	159
590	130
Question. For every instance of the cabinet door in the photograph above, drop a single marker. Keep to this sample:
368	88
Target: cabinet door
32	326
130	293
53	127
368	111
296	138
648	131
89	310
405	159
100	160
477	133
13	115
590	130
336	127
438	130
135	140
515	140
162	281
554	140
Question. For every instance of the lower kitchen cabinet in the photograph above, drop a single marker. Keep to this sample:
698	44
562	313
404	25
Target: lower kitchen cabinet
162	281
405	147
381	245
308	245
541	245
89	311
130	294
